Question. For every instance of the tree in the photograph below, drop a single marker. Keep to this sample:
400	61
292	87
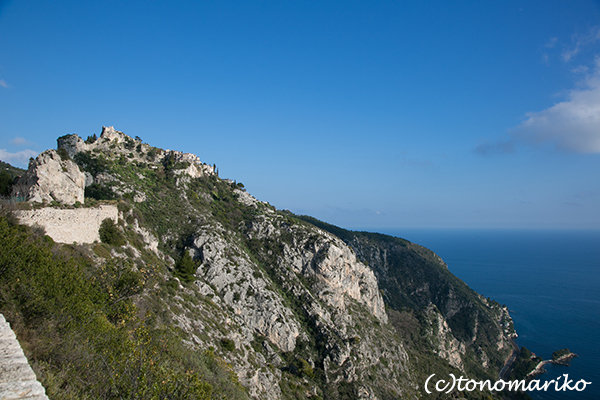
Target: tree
110	234
6	182
91	139
185	268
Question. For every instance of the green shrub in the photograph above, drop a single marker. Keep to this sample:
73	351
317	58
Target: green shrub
63	154
6	182
304	368
99	192
559	353
228	344
84	335
91	164
185	268
110	234
91	139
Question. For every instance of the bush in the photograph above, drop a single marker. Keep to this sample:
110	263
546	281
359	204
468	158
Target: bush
6	182
110	234
228	344
560	353
99	192
84	335
91	164
63	154
185	268
304	368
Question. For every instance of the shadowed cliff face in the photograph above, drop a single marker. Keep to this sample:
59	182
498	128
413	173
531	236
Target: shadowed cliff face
297	308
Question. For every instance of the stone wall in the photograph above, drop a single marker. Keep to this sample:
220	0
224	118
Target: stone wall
17	379
69	225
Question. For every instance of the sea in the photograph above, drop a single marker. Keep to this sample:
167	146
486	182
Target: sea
550	281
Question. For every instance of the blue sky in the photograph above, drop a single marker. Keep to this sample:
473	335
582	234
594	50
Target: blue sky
369	115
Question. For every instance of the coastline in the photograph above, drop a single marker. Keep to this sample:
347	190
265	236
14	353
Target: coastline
539	369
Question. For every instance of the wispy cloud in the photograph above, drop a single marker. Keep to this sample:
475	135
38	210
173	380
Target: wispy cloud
580	69
19	141
545	58
3	83
580	42
571	204
552	42
583	195
19	158
498	147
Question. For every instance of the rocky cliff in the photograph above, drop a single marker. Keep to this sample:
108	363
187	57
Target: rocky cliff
51	177
296	307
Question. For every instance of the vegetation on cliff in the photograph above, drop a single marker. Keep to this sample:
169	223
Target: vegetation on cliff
86	334
558	354
525	363
8	175
283	305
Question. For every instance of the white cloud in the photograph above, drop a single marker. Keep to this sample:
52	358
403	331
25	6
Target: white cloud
19	158
572	125
3	83
19	141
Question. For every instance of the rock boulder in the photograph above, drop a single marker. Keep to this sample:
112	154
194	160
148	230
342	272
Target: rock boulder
52	178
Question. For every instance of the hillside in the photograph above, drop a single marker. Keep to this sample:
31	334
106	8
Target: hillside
8	173
186	284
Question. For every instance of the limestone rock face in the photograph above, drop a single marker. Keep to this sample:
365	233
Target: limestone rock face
50	178
447	346
229	270
344	275
73	144
323	256
195	168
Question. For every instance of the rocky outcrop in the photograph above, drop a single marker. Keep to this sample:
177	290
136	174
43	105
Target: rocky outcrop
51	178
116	143
17	379
228	269
73	144
445	344
189	164
315	253
78	225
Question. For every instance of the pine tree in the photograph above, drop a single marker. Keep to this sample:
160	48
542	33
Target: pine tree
185	268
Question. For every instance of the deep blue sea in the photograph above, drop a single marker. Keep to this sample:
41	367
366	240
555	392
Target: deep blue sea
550	281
